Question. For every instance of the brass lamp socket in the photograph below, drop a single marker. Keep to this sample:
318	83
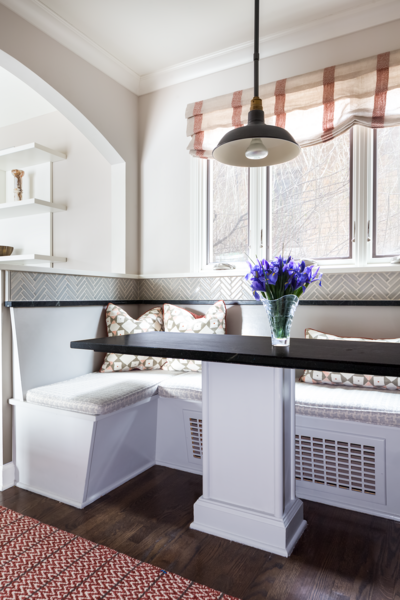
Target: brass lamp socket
256	104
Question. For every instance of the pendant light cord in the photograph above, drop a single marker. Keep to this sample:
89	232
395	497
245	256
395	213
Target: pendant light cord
256	55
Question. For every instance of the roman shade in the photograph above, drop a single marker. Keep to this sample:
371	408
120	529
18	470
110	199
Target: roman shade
314	107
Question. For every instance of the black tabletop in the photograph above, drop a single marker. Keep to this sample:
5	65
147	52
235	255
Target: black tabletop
328	355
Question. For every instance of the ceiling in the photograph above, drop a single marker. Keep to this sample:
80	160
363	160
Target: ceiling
150	35
140	40
18	102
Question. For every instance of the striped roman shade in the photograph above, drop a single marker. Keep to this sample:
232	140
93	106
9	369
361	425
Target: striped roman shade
314	107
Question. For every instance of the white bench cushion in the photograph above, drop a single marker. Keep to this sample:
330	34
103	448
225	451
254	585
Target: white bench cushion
348	404
99	393
187	386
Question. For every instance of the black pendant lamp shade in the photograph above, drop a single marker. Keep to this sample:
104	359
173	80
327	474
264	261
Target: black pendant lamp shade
256	144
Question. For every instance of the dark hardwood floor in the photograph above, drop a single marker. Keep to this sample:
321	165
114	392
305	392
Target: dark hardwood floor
342	555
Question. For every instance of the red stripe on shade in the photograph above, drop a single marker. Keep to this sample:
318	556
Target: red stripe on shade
198	143
237	109
280	97
328	102
382	83
199	134
197	108
198	117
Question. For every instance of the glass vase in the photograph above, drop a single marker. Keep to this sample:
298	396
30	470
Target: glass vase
280	314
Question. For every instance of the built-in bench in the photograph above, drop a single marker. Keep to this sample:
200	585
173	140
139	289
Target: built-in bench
347	444
75	441
96	431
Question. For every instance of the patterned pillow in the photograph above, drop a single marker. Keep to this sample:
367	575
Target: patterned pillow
179	320
349	379
120	323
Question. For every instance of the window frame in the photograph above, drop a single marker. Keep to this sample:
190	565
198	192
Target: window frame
362	214
374	256
321	261
211	264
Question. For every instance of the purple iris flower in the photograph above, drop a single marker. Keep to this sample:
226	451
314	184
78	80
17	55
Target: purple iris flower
280	277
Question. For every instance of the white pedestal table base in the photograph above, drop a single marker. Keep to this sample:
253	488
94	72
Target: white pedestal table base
249	457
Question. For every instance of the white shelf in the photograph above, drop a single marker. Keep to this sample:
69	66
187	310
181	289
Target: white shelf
22	259
25	208
29	155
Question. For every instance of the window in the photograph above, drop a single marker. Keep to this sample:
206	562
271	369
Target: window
386	215
227	213
310	199
337	203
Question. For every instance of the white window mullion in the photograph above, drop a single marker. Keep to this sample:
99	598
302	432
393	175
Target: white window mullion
268	213
258	208
198	214
369	189
370	175
362	194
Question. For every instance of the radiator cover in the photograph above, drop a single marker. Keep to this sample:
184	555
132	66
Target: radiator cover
347	465
194	436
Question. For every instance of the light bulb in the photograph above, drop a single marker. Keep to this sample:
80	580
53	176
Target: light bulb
256	150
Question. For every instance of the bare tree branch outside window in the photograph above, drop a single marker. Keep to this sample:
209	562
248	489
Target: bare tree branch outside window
310	205
388	192
229	208
310	199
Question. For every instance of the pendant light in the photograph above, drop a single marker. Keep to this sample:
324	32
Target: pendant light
256	144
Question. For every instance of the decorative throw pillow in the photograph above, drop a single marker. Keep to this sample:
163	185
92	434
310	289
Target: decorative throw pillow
179	320
120	323
349	379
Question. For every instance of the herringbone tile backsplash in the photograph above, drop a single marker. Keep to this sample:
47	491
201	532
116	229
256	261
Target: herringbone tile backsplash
195	288
340	286
29	287
356	286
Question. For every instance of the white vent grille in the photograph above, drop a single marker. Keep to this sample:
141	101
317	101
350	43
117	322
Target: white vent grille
346	464
194	436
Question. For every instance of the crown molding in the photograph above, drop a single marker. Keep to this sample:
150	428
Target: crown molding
347	22
45	19
344	23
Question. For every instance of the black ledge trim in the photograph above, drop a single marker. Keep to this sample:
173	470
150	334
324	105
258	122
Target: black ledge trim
38	303
56	303
350	302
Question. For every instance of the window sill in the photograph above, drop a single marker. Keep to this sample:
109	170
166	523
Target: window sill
371	268
378	268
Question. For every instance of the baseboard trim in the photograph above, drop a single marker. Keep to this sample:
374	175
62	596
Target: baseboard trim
117	484
250	528
163	463
34	490
7	476
362	509
92	498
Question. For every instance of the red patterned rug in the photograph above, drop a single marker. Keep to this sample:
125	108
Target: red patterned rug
41	562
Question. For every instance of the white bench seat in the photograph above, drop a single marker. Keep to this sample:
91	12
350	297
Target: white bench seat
100	393
348	404
78	439
96	431
330	402
188	386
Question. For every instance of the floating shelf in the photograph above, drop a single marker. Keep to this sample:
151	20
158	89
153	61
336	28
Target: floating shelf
22	259
25	208
29	155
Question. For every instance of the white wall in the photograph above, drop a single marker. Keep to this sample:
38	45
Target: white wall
165	162
82	182
106	109
108	106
